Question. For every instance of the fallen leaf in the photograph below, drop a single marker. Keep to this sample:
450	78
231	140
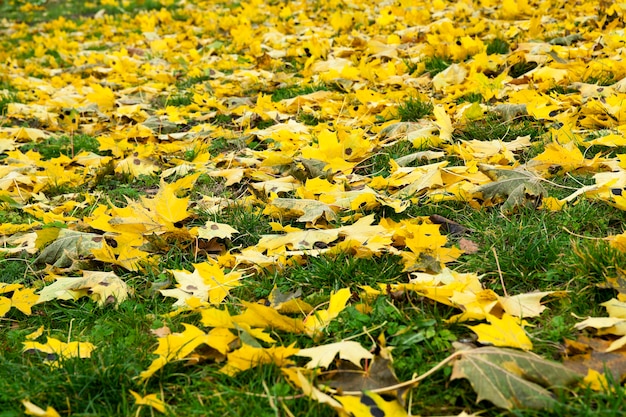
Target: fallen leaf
322	356
468	246
102	287
370	404
151	400
33	410
349	378
515	187
512	379
524	305
585	353
505	331
57	349
69	246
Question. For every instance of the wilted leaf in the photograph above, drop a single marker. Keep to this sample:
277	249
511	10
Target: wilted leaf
102	287
69	247
512	379
289	302
306	210
468	246
515	187
585	353
378	375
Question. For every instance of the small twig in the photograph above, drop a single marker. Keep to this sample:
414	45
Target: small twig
69	332
495	254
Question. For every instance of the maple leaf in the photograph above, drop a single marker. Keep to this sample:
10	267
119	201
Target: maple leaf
517	187
151	400
69	246
177	346
289	302
33	410
307	210
322	356
23	299
512	379
212	230
248	357
505	331
525	305
320	318
102	287
57	349
208	283
371	404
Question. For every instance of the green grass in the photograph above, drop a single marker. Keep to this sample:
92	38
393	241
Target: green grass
493	127
498	46
42	11
284	93
435	64
56	146
470	98
602	79
520	68
523	251
414	109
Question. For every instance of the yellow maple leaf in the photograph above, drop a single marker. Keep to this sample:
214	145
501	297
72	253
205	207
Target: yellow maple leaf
60	350
5	306
208	283
177	346
332	150
23	299
258	315
524	305
151	400
322	356
248	357
371	404
319	319
505	331
34	410
595	381
101	286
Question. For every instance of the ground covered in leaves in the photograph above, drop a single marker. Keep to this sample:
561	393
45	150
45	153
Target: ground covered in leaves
366	208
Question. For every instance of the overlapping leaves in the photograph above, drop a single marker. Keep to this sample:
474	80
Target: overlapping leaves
162	90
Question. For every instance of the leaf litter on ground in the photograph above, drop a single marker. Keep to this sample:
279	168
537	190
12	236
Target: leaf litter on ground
187	95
